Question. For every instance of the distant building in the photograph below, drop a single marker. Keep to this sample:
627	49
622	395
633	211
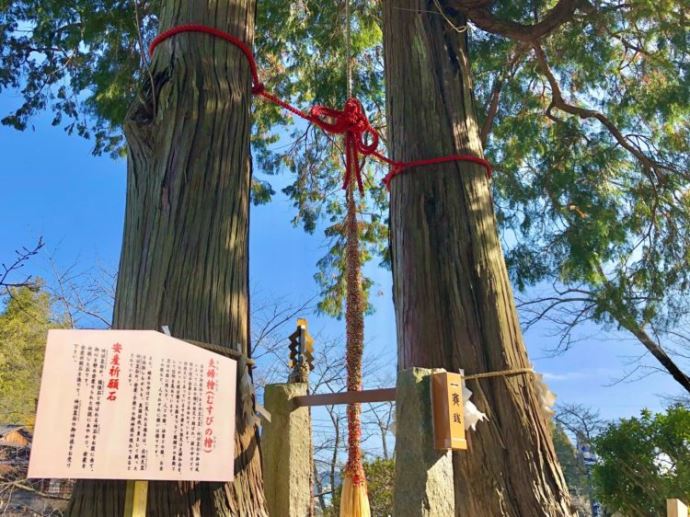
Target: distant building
14	436
27	497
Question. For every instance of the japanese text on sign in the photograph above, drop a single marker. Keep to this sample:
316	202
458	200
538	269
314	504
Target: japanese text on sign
142	406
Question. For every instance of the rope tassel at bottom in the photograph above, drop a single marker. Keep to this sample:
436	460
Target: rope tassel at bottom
354	500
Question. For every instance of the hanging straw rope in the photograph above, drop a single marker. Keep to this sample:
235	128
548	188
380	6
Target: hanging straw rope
498	373
354	501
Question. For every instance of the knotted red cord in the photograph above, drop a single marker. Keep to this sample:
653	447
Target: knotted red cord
360	136
354	124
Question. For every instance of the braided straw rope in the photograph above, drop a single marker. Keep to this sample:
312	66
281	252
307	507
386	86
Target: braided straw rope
499	373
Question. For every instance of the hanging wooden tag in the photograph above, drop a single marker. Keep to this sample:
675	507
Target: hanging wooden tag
448	414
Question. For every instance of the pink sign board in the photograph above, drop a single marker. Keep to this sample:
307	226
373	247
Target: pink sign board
131	404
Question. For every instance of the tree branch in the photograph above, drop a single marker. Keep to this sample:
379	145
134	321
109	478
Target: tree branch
23	256
625	319
480	15
508	73
558	102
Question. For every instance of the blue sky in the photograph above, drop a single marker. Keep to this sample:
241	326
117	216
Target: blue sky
54	188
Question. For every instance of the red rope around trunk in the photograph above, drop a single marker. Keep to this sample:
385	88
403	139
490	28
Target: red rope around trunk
361	139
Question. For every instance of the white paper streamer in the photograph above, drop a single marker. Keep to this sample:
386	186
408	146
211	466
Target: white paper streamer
548	398
472	414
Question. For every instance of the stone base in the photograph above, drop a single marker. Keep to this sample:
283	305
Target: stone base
423	475
286	452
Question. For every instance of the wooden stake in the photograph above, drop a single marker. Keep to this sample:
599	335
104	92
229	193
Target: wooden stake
675	508
135	498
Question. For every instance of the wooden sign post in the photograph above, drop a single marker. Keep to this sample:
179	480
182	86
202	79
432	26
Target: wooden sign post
448	411
135	498
676	508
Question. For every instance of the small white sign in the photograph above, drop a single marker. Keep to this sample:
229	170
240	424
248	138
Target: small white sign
132	404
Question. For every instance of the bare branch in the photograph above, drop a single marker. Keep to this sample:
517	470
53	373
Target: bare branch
88	294
25	486
268	320
579	420
22	257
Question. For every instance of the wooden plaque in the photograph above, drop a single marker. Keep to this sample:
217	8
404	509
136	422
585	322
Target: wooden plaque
448	414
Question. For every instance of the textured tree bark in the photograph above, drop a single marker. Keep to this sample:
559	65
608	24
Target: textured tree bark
453	300
184	259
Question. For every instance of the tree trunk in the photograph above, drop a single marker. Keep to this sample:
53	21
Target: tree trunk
184	259
453	300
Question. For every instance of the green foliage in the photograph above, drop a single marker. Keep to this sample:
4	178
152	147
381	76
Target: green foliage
591	143
380	477
573	469
81	59
24	324
644	461
590	138
301	47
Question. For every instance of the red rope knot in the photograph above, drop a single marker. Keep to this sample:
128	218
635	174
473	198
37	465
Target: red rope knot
360	136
